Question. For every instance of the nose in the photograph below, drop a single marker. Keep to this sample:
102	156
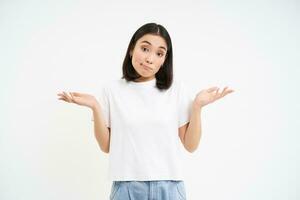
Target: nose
149	59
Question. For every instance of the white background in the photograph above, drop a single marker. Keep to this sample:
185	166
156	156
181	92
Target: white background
249	147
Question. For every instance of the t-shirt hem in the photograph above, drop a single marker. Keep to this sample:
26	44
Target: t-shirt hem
177	178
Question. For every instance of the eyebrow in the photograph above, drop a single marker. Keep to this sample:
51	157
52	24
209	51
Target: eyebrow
151	44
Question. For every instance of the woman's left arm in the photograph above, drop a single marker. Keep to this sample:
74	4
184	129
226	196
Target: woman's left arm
190	133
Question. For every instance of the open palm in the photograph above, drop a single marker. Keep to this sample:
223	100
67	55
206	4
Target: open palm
210	95
81	99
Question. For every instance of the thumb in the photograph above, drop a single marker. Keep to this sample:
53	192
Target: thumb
212	89
76	94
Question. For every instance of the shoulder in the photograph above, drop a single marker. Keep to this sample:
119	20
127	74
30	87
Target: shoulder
113	87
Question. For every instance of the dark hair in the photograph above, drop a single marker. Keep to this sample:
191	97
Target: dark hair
164	76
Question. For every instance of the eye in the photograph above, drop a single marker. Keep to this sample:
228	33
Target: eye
144	49
160	54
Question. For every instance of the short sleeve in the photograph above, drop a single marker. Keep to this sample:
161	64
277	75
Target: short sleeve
185	101
103	99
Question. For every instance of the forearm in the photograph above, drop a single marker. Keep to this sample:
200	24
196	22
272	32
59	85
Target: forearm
102	133
193	132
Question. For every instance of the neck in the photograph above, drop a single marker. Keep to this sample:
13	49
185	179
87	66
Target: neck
143	79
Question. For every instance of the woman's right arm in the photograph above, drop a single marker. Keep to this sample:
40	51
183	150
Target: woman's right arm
102	133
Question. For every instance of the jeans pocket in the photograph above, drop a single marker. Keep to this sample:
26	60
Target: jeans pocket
114	188
181	190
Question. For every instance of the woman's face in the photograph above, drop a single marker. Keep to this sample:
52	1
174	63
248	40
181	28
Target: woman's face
148	56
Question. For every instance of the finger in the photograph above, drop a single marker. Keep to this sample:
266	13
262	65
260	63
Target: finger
229	91
212	89
62	98
217	94
60	94
67	97
224	92
76	94
72	96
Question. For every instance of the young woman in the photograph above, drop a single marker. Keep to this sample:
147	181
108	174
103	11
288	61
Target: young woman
143	119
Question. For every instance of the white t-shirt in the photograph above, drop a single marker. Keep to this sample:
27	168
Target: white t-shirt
144	122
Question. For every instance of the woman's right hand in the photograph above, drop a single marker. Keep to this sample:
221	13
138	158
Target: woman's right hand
79	99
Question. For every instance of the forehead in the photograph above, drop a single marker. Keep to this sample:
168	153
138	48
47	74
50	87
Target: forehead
154	40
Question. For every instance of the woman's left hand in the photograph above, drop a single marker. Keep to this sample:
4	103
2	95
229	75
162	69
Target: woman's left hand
210	95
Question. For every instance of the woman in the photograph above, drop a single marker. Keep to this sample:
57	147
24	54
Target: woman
143	119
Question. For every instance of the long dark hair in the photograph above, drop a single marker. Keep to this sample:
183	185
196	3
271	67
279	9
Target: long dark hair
164	76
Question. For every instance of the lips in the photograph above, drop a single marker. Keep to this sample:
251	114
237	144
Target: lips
146	67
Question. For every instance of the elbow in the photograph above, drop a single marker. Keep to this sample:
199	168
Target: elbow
103	143
192	146
103	147
191	150
105	150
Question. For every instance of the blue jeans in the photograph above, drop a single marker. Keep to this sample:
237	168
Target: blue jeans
148	190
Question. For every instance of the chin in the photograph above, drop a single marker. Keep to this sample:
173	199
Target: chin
145	75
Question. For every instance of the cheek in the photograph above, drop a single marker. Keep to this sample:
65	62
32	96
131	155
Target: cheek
138	56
